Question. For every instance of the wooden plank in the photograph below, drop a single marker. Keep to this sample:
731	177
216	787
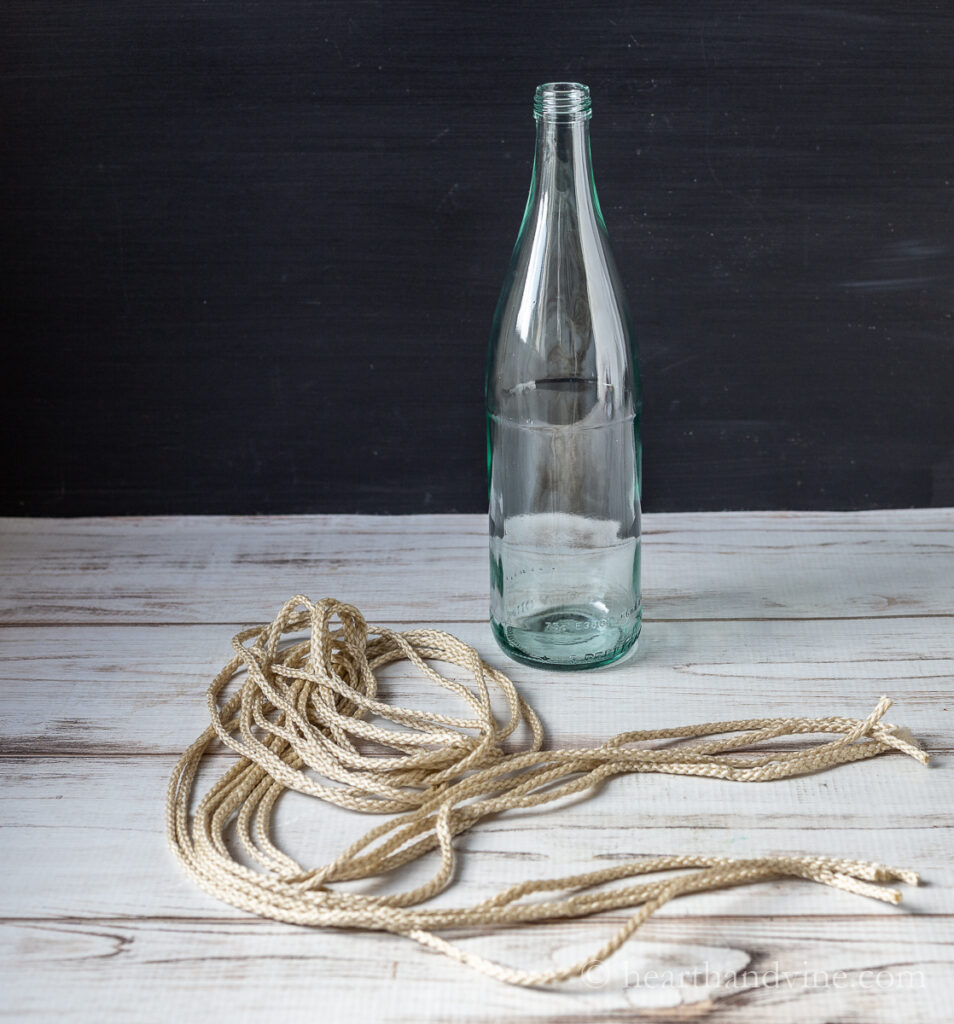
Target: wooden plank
97	921
730	969
99	822
727	566
90	689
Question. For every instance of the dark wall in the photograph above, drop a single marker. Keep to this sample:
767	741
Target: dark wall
252	250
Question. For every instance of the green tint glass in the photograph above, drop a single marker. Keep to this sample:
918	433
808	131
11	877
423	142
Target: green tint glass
563	409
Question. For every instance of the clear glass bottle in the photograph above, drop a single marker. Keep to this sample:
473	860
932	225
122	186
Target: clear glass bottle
563	409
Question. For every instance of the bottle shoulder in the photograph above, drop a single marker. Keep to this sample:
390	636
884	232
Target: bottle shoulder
562	312
559	321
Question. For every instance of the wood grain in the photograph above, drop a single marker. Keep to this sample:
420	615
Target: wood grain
240	570
787	970
64	691
111	630
100	821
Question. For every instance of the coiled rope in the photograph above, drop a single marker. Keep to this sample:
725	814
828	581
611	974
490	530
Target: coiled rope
305	708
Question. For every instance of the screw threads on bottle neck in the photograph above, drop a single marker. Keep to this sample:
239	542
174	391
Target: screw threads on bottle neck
562	102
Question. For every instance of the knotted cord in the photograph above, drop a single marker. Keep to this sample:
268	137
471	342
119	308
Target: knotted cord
305	709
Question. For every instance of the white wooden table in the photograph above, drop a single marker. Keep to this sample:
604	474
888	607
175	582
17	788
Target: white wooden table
112	629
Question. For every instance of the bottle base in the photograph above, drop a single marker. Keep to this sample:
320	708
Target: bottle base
570	638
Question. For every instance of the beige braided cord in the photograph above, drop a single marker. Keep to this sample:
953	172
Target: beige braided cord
305	709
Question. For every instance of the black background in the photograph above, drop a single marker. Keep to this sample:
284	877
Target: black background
252	250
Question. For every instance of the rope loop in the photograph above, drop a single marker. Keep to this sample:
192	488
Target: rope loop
307	717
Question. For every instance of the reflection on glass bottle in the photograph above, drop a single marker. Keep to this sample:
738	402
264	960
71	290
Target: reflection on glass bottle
563	408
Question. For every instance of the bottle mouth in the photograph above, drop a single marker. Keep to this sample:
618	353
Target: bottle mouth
562	101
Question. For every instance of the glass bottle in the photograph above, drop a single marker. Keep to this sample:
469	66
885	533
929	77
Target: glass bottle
563	410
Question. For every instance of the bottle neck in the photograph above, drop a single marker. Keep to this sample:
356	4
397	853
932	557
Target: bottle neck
562	168
562	161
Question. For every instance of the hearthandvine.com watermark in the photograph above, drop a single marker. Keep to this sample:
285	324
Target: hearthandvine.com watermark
703	976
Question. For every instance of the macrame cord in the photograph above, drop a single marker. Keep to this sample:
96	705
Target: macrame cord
304	712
